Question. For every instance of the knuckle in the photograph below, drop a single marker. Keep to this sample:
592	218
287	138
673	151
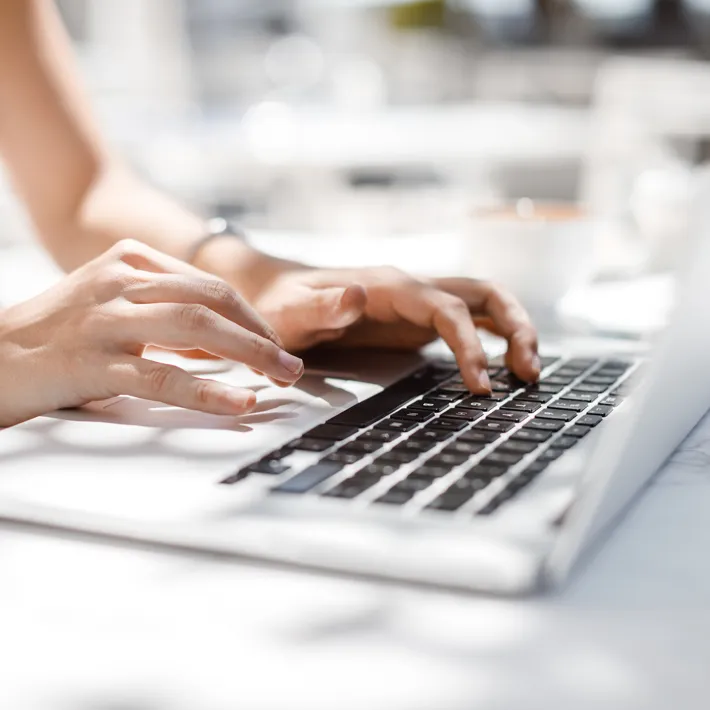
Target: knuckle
110	281
193	316
217	290
456	307
258	345
126	247
203	392
160	379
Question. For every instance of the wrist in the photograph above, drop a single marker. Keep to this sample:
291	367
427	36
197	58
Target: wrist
246	268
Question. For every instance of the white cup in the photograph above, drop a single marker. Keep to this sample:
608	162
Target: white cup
539	250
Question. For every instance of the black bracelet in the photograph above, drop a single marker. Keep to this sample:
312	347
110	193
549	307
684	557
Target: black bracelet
216	227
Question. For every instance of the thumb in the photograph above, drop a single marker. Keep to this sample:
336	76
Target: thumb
336	308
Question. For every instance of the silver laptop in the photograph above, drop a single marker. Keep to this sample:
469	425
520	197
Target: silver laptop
393	471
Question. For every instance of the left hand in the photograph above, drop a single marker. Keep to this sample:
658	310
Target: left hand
385	307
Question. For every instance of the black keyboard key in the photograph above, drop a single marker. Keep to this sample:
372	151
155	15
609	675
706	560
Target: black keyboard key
546	389
534	469
565	442
466	447
447	424
472	485
577	431
269	466
555	379
531	435
612	401
505	416
464	415
455	388
236	477
581	363
487	471
490	507
621	365
569	405
477	436
429	404
305	444
377	470
518	406
513	446
331	433
494	397
601	411
431	471
555	415
398	457
361	447
585	387
590	420
451	502
418	445
575	396
418	416
394	425
595	379
544	425
396	497
571	372
444	396
391	398
412	485
496	426
347	490
548	361
502	459
343	458
433	435
550	455
449	459
383	437
540	397
476	403
309	478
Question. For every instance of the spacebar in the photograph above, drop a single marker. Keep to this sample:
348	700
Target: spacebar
380	405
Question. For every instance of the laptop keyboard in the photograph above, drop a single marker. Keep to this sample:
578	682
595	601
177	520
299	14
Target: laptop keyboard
427	443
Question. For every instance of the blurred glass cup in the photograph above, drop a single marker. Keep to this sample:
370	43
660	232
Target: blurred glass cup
539	250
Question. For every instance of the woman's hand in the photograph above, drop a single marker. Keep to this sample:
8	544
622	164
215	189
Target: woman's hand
83	340
385	307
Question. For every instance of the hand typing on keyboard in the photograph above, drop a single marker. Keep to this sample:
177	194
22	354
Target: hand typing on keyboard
83	340
385	307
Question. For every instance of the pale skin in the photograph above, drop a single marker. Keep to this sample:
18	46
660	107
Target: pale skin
125	242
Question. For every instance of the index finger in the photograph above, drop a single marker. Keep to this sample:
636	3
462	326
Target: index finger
451	319
144	258
510	320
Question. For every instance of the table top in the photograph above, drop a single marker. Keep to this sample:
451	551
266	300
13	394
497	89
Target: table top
88	624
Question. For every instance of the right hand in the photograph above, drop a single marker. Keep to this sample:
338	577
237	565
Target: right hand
83	340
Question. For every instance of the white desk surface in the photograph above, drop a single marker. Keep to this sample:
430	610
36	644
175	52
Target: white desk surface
88	625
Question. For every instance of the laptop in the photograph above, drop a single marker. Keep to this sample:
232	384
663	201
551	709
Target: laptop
389	470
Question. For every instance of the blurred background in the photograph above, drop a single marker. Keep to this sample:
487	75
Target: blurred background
367	122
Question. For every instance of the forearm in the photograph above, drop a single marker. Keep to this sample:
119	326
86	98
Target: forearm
119	205
116	205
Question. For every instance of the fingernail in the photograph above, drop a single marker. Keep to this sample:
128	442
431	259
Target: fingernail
484	381
291	362
243	402
537	365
